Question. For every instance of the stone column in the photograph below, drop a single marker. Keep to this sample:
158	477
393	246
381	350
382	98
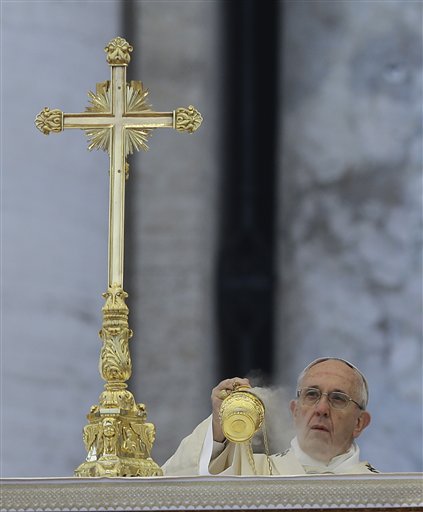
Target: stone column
171	220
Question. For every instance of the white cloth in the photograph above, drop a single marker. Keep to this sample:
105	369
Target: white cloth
196	456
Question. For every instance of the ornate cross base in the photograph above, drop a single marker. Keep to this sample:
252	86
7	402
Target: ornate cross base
117	438
118	441
115	466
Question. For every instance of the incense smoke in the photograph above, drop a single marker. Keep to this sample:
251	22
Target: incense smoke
278	420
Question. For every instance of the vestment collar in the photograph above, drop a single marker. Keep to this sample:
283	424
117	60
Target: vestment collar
338	463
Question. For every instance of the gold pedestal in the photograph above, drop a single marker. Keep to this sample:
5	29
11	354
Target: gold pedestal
117	438
119	442
118	467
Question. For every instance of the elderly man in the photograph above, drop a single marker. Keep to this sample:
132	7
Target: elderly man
329	413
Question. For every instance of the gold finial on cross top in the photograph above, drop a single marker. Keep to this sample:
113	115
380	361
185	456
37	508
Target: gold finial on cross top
118	120
118	51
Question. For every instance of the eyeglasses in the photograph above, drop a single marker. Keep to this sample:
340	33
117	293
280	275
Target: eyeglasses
336	399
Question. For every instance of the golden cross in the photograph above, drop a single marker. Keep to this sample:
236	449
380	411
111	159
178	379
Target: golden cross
119	121
117	438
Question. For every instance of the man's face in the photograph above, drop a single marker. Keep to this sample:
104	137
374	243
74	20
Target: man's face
322	431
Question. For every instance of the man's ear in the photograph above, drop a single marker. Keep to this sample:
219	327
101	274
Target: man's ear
293	406
362	422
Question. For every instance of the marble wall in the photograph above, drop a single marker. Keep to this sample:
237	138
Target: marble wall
349	218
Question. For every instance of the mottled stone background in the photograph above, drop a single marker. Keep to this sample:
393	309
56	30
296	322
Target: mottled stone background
350	222
349	218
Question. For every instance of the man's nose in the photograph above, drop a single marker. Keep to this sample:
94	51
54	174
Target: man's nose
323	406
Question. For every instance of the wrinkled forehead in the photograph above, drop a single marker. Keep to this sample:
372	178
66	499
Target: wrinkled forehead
331	371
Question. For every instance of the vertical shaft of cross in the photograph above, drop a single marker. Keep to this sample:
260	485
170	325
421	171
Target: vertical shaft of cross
117	180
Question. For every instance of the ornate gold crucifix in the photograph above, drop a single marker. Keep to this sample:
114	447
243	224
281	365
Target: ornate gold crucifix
117	438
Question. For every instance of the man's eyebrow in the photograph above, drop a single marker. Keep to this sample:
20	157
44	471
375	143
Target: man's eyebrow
338	391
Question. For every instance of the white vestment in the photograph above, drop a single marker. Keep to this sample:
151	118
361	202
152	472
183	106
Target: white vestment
195	456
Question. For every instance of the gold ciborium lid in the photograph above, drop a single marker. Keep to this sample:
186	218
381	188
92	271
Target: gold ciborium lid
241	415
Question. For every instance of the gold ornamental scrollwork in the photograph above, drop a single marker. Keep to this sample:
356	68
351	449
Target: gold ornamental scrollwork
115	361
187	119
118	439
48	121
118	52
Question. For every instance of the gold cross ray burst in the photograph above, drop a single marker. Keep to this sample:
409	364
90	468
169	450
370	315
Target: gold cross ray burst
118	120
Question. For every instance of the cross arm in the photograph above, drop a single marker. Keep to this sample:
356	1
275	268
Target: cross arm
182	119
